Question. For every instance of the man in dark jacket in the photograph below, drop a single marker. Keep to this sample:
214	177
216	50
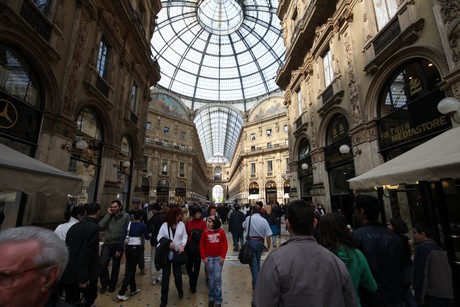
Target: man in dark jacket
235	226
154	225
384	253
81	273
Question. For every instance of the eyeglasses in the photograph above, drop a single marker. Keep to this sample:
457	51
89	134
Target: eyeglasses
7	278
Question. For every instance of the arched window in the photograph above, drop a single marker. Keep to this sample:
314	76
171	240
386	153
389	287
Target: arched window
218	173
17	77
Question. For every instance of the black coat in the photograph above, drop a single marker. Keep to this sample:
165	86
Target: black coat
82	241
162	252
235	223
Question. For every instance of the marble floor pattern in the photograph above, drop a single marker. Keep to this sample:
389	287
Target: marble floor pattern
236	285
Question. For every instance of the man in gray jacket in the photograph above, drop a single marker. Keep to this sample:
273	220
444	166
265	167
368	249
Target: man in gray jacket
301	272
113	224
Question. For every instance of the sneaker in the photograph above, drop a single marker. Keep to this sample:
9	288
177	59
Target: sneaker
135	291
123	297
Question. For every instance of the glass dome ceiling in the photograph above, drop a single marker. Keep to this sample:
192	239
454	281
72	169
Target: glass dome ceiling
218	50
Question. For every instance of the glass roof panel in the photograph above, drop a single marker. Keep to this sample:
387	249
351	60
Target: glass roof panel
218	128
220	43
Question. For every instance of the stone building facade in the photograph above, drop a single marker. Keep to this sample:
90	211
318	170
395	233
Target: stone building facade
80	72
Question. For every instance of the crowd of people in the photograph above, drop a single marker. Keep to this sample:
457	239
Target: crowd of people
325	262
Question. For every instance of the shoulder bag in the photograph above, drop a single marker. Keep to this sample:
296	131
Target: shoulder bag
125	243
246	253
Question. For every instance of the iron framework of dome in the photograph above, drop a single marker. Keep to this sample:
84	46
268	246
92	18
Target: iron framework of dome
218	50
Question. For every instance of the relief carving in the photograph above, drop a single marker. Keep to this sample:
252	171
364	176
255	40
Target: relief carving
450	11
74	71
352	82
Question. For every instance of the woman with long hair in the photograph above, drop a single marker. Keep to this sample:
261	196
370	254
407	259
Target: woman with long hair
335	236
173	229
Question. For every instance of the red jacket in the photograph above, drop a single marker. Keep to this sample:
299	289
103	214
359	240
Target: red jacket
194	225
213	243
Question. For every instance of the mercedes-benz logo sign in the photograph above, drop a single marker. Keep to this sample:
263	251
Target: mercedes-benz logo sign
8	114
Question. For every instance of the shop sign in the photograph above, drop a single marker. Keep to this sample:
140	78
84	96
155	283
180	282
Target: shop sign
418	120
18	119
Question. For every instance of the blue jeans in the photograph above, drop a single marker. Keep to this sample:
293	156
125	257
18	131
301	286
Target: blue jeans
237	237
258	247
214	280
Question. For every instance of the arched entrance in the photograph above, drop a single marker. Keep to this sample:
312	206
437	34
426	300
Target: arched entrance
253	192
305	170
163	191
181	192
270	192
340	166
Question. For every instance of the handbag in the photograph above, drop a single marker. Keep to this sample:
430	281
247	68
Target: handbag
246	253
126	241
180	258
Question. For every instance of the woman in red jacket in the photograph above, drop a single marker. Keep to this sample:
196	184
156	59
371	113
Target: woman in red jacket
213	249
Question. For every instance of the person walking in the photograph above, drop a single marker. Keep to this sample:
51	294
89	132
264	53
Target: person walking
384	253
235	226
81	273
154	224
432	273
335	236
133	248
172	229
257	229
301	272
136	202
113	224
195	229
399	227
213	249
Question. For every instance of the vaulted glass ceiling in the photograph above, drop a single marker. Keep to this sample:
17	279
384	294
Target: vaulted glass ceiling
217	128
218	51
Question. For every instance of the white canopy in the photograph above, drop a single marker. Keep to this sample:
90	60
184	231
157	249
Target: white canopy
19	172
435	159
253	196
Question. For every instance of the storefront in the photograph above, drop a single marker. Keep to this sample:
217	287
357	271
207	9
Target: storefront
339	165
305	170
270	192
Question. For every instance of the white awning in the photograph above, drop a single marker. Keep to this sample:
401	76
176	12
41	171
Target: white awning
435	159
23	173
253	196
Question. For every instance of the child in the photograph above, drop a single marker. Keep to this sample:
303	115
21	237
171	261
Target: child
213	248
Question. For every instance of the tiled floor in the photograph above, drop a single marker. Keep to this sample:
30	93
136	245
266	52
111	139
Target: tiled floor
236	286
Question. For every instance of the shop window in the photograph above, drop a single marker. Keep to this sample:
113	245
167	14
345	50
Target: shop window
17	77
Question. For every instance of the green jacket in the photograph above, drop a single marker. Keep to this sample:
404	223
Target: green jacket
359	270
113	227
